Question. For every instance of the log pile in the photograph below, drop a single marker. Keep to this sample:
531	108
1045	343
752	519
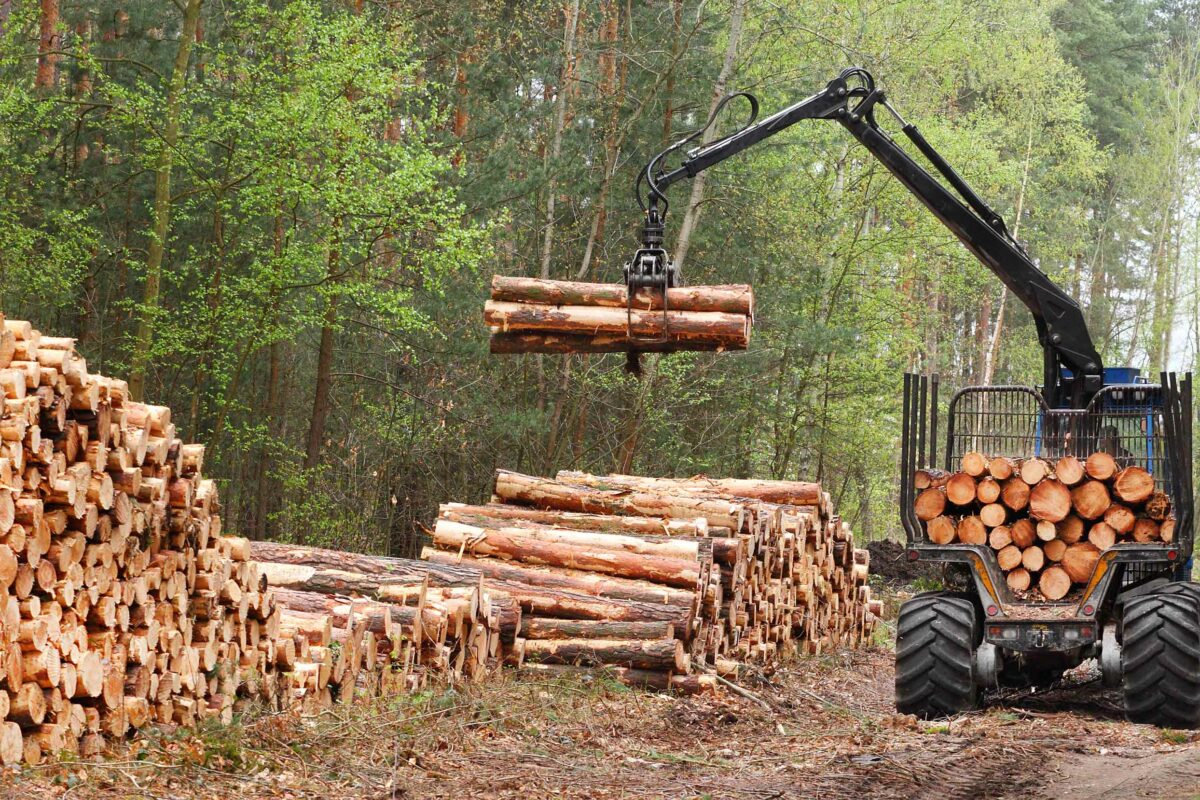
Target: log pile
416	621
531	315
663	580
1047	522
121	602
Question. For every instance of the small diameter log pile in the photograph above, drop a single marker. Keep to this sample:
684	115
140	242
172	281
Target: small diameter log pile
531	315
662	580
412	620
1048	521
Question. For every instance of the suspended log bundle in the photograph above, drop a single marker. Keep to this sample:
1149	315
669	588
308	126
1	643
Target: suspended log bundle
1047	521
658	581
531	315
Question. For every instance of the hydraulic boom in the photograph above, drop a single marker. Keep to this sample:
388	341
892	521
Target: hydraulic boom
1073	370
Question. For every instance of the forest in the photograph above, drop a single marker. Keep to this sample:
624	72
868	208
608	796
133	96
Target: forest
281	217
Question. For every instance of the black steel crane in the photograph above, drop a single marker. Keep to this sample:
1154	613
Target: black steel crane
1138	613
851	99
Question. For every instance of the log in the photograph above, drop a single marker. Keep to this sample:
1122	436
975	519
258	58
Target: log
1102	535
542	601
1046	531
1147	530
691	548
1032	558
575	521
930	503
999	538
941	530
1001	468
1054	549
988	491
542	493
1050	500
1009	557
1033	470
678	572
502	344
1018	579
1071	529
971	530
730	299
929	478
713	327
402	569
1120	518
1100	466
1023	533
993	514
661	654
1079	561
1158	507
1133	485
792	493
1069	471
1054	583
550	628
974	464
960	489
1090	499
1015	494
578	581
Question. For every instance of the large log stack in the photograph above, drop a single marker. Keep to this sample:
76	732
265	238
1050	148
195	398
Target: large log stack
121	602
531	315
662	579
1048	522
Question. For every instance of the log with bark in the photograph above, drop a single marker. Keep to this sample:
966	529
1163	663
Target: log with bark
529	315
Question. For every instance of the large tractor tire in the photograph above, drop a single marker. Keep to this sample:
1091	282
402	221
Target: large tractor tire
1160	658
936	637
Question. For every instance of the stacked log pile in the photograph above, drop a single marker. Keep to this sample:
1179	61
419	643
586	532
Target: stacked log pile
1047	522
662	579
530	315
121	602
417	620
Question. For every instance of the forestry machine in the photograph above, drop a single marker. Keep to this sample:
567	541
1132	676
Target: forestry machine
1138	614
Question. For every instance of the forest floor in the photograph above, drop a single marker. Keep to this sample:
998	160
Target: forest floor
826	728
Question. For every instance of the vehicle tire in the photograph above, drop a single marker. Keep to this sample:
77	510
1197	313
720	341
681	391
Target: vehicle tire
1160	659
936	637
1182	588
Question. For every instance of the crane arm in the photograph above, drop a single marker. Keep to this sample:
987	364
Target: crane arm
1073	369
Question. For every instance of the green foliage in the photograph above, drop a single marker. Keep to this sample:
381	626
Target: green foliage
354	177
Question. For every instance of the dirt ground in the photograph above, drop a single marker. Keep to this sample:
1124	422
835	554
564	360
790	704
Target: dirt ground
829	732
825	729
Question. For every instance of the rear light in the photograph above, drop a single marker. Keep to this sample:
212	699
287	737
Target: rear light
1172	555
913	555
1086	631
992	611
998	632
1089	610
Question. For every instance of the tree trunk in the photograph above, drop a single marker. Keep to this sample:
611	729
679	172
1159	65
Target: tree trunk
324	378
560	115
162	201
48	43
691	213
